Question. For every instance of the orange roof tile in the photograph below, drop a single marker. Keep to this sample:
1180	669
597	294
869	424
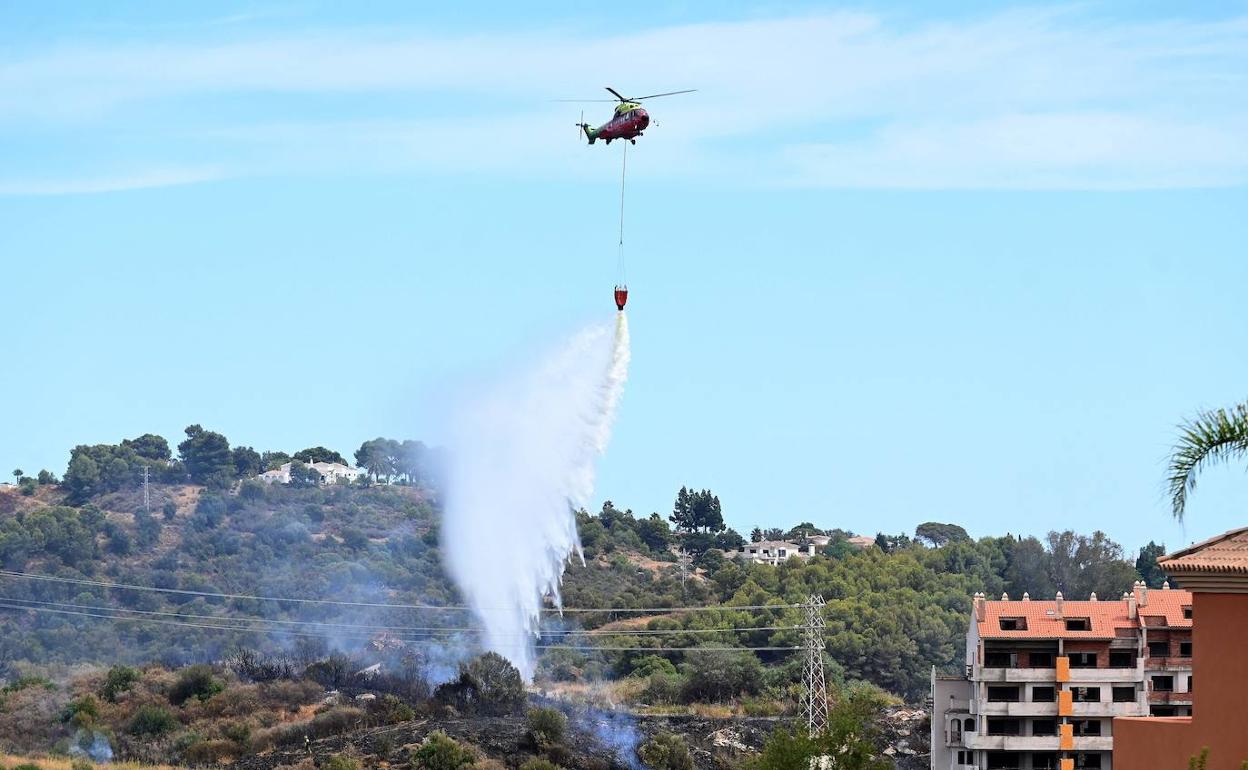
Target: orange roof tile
1104	619
1167	604
1227	552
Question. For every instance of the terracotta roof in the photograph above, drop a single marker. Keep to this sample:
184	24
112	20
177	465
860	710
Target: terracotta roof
1166	605
1227	552
1104	619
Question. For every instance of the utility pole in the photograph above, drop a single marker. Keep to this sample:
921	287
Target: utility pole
815	698
147	498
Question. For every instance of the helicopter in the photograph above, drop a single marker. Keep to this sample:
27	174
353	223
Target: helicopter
629	121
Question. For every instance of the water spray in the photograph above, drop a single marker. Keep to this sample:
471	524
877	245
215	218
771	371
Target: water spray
523	461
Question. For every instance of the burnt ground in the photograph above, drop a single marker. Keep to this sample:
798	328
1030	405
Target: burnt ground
596	740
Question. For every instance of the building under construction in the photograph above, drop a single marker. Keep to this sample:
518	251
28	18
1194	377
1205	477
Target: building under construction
1045	679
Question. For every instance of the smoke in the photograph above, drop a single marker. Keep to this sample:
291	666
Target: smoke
617	731
523	460
92	745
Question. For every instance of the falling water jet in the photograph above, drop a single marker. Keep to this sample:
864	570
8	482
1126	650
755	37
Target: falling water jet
523	461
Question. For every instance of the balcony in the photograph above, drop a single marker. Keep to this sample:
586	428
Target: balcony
987	674
1093	743
1080	676
1173	663
1011	742
1017	709
1166	697
1075	675
1103	709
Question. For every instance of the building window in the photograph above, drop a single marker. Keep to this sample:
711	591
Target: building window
1185	649
1086	694
1004	760
1191	683
1158	649
955	731
1078	624
1000	659
1163	683
1044	761
1043	694
968	724
1083	660
1187	613
1003	726
1044	727
1121	659
1088	761
1124	694
966	758
1088	727
1162	711
1041	660
1003	694
1013	624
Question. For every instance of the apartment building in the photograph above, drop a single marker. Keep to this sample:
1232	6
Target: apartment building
1045	679
1216	572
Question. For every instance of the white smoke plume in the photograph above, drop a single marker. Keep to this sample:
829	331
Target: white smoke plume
523	459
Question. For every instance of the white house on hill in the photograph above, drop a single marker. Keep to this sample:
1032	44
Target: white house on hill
331	473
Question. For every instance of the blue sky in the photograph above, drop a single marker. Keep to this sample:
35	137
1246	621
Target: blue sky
888	265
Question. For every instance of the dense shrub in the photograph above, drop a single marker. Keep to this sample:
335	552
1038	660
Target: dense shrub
547	726
487	683
118	680
152	720
666	751
194	682
441	752
81	712
663	688
715	674
210	752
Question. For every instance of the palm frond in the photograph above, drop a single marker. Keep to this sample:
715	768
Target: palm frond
1210	438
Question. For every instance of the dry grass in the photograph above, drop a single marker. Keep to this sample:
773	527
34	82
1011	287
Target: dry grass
63	763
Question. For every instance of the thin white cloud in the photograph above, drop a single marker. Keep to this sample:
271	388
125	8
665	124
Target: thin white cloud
1025	98
166	177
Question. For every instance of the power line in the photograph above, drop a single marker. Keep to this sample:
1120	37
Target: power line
379	629
252	630
383	605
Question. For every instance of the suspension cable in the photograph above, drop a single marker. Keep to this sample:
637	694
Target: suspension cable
384	605
623	277
254	630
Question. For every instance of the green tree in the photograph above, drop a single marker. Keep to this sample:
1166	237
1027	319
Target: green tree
697	511
247	462
655	532
319	454
17	475
938	534
487	683
1027	569
1146	564
149	446
1210	438
850	740
207	457
118	680
303	475
716	673
1081	565
756	535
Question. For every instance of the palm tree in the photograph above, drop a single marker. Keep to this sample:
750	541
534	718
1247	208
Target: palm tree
17	475
1210	438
